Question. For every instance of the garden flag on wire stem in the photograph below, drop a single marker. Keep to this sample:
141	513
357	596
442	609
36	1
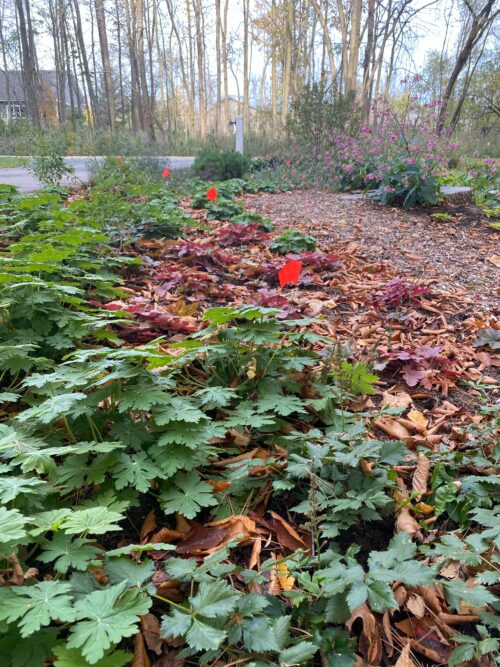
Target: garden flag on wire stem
166	172
290	272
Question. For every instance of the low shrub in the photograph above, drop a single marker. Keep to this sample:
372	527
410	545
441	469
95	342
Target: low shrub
49	166
406	182
223	209
213	163
292	241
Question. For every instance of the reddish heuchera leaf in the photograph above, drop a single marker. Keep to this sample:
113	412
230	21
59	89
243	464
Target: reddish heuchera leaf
412	375
166	172
212	194
290	272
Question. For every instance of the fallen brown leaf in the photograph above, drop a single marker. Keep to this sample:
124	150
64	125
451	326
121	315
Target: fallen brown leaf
141	658
150	627
406	522
404	659
421	475
286	534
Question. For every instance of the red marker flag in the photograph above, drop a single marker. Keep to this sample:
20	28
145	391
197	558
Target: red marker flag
211	194
290	272
166	172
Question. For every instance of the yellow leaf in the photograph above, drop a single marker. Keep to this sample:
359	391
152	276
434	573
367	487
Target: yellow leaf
417	417
285	580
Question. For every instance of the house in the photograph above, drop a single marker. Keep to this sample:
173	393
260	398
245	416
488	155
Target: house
235	109
13	98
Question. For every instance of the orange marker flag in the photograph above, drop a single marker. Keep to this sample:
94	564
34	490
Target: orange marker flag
166	172
212	194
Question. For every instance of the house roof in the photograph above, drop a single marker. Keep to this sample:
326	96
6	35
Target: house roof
15	79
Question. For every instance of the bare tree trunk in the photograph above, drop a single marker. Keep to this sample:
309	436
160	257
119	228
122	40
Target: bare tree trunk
225	65
287	69
327	42
135	95
246	73
77	19
120	60
106	64
365	95
146	96
354	43
5	67
274	78
481	22
192	95
218	108
30	74
201	74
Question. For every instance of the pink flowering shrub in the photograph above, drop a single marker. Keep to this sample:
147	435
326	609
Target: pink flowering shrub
399	156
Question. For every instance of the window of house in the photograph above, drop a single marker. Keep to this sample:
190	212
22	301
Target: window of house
16	110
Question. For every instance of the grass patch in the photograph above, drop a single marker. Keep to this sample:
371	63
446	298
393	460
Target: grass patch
10	161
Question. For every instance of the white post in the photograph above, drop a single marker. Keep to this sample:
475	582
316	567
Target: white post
239	134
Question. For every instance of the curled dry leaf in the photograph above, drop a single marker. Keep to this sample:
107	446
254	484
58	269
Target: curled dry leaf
141	658
418	418
405	659
416	604
203	540
255	555
236	526
399	400
431	598
421	475
149	525
401	595
388	634
150	627
406	522
370	642
219	485
392	428
286	534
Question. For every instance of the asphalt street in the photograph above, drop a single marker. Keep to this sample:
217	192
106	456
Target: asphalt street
25	182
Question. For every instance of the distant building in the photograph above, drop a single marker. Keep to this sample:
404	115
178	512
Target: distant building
235	109
13	97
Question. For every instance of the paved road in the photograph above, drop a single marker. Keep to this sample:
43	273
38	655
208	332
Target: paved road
24	181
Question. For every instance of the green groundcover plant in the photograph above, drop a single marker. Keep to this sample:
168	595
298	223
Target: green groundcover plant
96	435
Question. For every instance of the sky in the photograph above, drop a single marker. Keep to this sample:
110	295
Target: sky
431	28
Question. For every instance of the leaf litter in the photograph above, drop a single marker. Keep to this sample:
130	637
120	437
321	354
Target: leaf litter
426	344
428	339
